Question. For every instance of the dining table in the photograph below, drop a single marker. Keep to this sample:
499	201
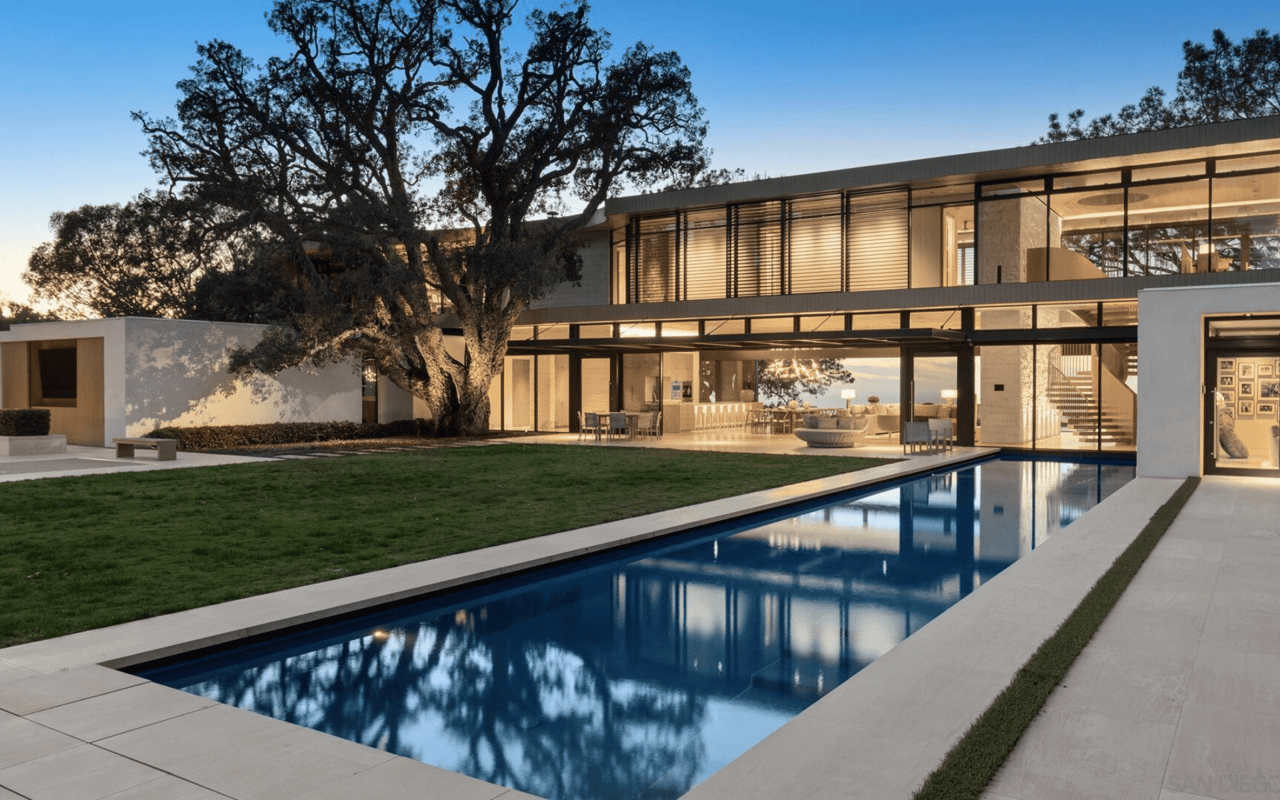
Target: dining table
633	420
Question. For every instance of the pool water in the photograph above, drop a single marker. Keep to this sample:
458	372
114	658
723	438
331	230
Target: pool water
638	674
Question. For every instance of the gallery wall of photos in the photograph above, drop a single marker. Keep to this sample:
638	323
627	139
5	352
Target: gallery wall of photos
1250	387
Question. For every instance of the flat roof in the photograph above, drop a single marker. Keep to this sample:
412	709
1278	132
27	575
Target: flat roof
1237	137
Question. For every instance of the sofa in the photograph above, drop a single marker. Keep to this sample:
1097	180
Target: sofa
827	431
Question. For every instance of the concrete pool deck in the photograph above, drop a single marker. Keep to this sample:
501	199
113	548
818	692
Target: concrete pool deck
73	727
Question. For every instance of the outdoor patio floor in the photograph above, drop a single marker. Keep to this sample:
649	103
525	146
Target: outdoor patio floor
1176	693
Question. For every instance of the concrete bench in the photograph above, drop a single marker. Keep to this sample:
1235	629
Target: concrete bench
166	449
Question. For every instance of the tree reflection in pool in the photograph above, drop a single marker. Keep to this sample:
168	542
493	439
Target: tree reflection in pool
639	676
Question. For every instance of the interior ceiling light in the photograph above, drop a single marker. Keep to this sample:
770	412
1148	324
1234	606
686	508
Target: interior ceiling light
1111	199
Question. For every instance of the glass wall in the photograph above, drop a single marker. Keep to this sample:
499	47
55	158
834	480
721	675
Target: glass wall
1058	396
1158	220
757	249
1162	220
1245	423
553	393
1092	235
1246	222
517	394
641	384
813	244
1169	229
942	236
823	243
1008	388
705	240
597	385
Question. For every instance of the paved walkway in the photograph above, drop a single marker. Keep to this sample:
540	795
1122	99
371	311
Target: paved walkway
1176	699
102	460
1178	695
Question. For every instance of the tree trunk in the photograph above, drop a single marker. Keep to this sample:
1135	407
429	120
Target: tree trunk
468	412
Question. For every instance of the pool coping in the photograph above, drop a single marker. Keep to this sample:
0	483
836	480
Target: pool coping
63	686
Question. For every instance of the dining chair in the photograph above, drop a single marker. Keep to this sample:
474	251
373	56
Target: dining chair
645	425
618	424
915	435
943	433
591	422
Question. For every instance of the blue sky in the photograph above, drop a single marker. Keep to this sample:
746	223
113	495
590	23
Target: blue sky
789	88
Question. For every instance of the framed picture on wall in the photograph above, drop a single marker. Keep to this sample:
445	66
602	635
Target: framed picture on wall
1227	365
1266	409
1246	369
1227	381
1268	388
1246	388
1245	410
1266	370
1228	398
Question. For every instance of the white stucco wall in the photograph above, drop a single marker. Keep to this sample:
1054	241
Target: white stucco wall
1171	373
175	373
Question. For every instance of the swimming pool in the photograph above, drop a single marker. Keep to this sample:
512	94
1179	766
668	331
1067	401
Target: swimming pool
641	673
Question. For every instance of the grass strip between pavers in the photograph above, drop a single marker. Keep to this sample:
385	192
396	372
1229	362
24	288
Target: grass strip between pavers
971	764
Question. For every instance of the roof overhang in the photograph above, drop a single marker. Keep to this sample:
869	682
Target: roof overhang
809	340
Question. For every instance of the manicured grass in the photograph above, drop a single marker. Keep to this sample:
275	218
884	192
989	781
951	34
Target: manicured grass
971	764
81	553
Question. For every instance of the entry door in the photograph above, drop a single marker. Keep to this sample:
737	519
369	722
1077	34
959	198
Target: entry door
930	386
1242	399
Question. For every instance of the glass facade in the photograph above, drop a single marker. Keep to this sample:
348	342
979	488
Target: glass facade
1182	218
1058	396
1031	388
1077	394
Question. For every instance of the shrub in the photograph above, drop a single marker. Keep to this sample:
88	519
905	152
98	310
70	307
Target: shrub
24	422
216	437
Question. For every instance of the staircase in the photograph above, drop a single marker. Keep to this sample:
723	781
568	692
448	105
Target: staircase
1073	397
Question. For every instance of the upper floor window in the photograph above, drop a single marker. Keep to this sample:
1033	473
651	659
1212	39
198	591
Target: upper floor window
825	243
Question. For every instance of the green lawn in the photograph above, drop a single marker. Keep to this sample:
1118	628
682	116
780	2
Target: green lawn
81	553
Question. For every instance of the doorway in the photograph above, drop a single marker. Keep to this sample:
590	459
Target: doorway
1242	398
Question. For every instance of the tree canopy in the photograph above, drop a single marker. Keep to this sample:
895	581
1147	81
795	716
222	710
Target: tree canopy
1218	82
143	258
390	121
13	312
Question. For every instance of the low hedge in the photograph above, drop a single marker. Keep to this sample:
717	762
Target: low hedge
24	422
218	437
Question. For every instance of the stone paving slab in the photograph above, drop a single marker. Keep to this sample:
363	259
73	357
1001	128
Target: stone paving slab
119	712
1073	753
25	741
1193	649
78	773
244	755
79	461
39	692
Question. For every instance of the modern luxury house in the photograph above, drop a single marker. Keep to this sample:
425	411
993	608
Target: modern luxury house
1020	292
1010	278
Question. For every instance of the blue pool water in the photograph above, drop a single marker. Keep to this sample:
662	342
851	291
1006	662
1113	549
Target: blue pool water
639	674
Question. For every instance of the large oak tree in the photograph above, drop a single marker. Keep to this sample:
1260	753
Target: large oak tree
389	121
